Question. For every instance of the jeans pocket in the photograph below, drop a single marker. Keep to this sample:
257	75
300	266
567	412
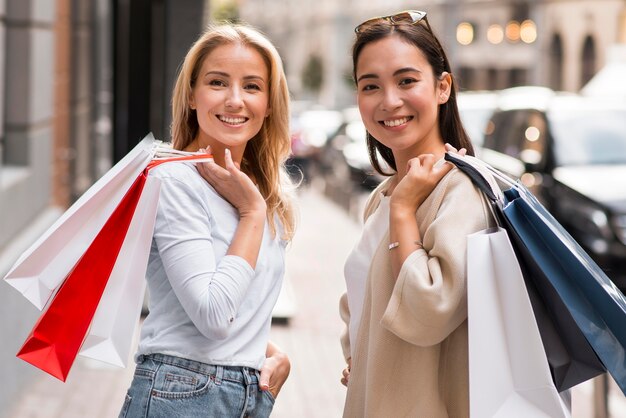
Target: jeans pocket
177	382
125	406
269	396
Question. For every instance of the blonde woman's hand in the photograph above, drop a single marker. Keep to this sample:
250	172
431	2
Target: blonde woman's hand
234	186
274	372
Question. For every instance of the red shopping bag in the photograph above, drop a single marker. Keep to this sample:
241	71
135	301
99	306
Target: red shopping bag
55	340
58	335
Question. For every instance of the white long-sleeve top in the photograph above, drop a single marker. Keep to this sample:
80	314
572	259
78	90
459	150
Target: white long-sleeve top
358	263
205	305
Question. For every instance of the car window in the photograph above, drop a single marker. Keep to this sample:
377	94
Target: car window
520	134
496	129
589	136
533	138
474	121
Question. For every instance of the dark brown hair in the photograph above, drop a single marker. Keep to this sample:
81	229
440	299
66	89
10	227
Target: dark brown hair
423	39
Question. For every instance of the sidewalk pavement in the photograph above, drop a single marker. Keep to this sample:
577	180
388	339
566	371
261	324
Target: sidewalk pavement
315	277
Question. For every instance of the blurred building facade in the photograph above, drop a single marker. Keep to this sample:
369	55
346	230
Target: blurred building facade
492	44
81	82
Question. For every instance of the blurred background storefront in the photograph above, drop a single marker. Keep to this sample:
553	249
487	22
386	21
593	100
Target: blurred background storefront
82	81
492	44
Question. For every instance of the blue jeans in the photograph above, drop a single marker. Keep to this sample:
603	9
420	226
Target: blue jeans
172	387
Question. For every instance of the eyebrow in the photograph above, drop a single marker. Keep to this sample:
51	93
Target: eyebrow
395	73
223	74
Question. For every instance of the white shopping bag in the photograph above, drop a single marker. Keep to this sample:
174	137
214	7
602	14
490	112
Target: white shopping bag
106	329
42	268
509	373
114	323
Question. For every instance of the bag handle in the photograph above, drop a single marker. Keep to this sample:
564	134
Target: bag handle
477	178
164	153
195	157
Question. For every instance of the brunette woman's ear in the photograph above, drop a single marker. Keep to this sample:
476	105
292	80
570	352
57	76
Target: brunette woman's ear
192	104
445	87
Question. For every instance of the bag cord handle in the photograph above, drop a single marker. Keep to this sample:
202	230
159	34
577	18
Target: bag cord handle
477	178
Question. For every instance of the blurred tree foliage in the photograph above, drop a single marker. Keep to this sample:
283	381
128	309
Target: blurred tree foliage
226	11
313	74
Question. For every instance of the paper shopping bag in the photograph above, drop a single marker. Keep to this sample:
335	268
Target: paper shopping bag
42	268
107	281
509	373
571	357
563	270
117	316
58	334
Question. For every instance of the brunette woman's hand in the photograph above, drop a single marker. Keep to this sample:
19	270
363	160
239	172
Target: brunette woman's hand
234	185
422	176
345	373
451	149
275	370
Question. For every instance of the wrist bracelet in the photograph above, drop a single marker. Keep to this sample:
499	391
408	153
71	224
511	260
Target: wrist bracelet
397	244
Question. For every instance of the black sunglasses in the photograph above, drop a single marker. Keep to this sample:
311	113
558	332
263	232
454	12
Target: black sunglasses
408	17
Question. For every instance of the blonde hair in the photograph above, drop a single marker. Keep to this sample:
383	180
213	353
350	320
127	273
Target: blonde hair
266	153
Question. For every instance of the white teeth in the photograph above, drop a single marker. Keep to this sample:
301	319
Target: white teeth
396	122
232	121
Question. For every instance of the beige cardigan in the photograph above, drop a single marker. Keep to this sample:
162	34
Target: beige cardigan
411	356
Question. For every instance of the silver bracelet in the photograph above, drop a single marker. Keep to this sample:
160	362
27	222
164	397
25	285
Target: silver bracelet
397	244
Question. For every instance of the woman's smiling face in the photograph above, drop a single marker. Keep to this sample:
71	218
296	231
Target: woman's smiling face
399	96
231	96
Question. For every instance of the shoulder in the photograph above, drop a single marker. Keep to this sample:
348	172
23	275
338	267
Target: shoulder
184	172
181	179
458	184
457	197
373	199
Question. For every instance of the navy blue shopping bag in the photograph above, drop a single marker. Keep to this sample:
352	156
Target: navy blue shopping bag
580	312
596	304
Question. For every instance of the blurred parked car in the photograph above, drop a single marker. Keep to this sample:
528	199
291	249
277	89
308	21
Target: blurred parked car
475	108
344	160
571	152
310	130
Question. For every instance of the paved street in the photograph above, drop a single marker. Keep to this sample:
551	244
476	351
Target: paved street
315	282
314	274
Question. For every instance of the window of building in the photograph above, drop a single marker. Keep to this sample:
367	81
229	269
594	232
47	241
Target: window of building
588	68
517	77
556	62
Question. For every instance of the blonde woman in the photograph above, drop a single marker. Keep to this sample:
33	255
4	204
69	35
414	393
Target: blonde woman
217	257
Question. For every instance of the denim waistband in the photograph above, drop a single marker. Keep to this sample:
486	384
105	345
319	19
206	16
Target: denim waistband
239	374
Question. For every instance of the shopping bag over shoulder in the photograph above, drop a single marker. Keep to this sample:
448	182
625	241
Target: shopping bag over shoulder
509	373
56	338
579	310
117	316
104	289
43	267
595	303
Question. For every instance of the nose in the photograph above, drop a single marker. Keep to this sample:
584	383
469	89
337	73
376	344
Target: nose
234	99
391	100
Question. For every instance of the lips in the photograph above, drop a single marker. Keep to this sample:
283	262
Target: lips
232	120
390	123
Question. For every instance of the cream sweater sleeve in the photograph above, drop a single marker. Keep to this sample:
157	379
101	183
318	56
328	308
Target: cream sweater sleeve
429	299
344	312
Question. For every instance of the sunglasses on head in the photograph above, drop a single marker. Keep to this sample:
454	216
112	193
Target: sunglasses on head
408	17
